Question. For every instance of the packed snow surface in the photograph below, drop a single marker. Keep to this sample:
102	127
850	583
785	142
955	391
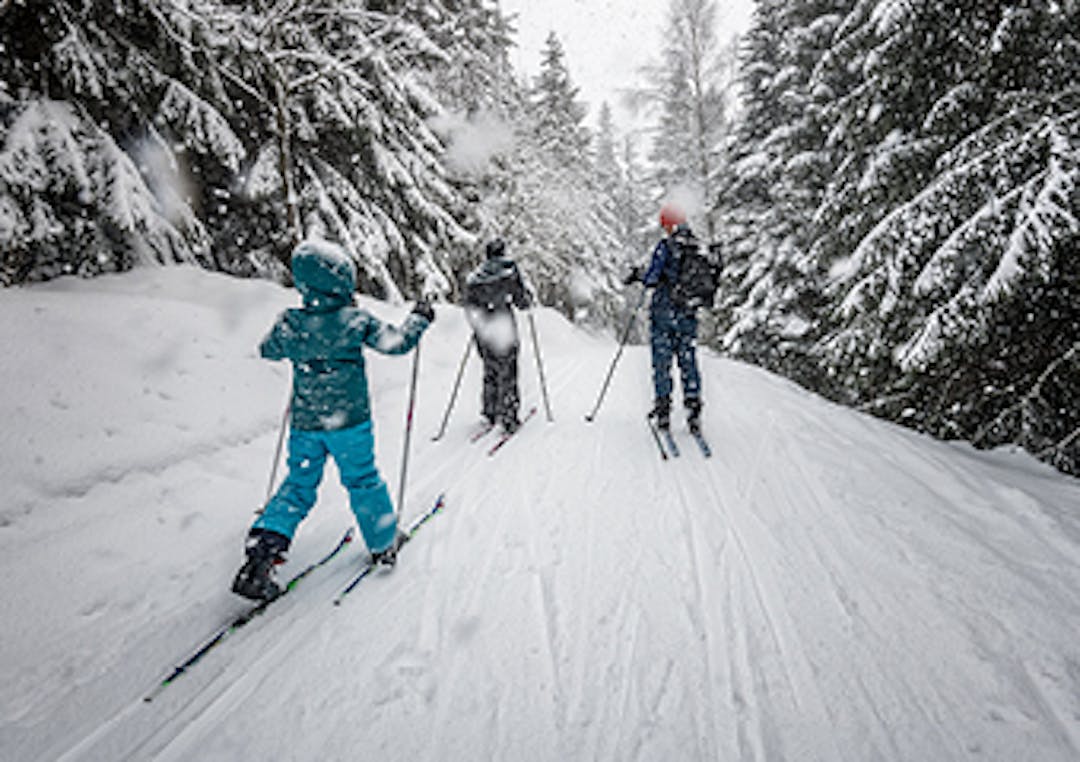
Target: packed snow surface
826	587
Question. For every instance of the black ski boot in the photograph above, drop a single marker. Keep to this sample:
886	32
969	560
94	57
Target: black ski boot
388	557
661	412
511	424
255	580
693	414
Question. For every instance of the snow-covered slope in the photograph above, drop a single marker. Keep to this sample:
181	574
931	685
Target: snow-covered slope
826	587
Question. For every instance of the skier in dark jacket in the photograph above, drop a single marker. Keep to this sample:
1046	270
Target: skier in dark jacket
672	326
490	292
330	411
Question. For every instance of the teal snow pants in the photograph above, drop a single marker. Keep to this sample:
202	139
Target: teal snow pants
354	453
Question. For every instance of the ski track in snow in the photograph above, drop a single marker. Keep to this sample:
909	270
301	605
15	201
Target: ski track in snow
825	587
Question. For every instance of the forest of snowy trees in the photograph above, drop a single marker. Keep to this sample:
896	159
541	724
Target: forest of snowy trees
903	213
220	133
894	182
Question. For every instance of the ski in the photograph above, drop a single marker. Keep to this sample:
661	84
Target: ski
403	538
507	435
242	619
656	436
702	443
481	432
669	442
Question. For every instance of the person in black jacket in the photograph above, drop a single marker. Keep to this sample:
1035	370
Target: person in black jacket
491	290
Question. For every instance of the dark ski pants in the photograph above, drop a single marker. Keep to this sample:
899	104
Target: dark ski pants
500	398
673	334
354	452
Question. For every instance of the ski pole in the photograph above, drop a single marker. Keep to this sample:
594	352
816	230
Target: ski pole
408	430
540	366
622	343
277	454
453	394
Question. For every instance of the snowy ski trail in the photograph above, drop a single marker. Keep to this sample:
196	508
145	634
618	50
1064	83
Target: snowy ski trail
825	587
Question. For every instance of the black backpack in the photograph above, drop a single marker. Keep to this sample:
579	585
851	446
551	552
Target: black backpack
699	272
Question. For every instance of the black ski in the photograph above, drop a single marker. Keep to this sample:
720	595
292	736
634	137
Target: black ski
404	537
507	435
242	619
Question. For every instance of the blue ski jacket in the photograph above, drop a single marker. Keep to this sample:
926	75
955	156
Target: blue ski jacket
663	270
325	337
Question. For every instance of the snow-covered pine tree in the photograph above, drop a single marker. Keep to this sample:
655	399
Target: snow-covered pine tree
620	203
343	143
196	128
941	233
553	215
481	98
686	92
955	204
615	206
771	297
475	38
636	213
92	167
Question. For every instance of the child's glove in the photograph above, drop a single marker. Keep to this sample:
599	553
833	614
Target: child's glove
633	277
424	309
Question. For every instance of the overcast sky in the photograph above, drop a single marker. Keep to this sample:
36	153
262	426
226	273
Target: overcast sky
606	41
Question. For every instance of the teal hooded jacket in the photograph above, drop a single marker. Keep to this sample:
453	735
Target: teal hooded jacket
324	340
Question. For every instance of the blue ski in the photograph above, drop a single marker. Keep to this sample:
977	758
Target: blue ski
669	441
403	538
702	444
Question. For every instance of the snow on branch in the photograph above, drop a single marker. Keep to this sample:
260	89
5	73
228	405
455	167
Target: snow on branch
263	177
1001	421
80	67
1044	219
889	15
944	265
202	126
956	316
42	152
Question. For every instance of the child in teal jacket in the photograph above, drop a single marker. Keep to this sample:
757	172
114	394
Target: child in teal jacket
330	411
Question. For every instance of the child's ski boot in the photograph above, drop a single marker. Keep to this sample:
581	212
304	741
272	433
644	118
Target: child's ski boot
387	557
265	549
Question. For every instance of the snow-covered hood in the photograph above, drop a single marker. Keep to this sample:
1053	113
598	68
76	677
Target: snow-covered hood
324	274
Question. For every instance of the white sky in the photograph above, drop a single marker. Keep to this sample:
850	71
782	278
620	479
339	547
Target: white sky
606	41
